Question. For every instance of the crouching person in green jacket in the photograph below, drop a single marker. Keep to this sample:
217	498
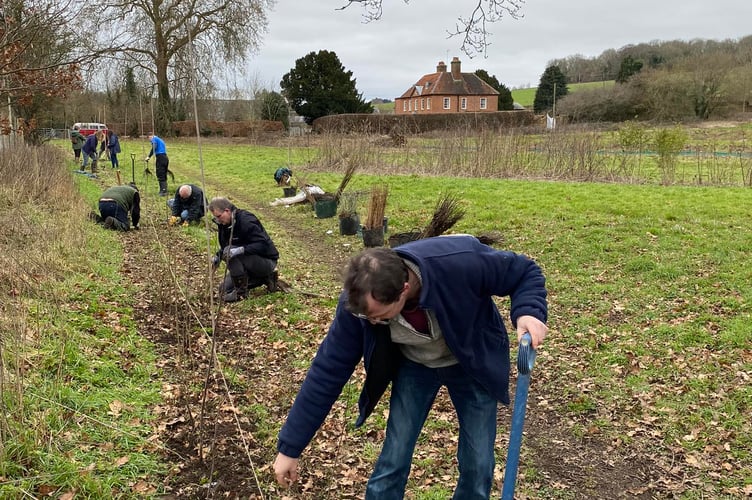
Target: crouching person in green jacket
116	203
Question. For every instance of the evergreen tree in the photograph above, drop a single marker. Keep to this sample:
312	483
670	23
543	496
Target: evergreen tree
318	85
629	66
506	102
544	95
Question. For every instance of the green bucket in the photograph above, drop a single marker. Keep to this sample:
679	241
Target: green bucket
325	208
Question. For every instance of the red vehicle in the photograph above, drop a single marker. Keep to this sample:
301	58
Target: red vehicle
87	129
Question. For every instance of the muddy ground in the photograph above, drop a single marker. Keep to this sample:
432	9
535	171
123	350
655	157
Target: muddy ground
229	376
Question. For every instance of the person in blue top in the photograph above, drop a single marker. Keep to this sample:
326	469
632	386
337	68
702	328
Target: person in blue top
421	316
113	147
89	150
159	150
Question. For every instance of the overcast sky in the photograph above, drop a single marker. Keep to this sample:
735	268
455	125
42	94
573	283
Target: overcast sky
389	55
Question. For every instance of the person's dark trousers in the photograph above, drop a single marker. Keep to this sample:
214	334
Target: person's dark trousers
114	160
112	209
163	163
255	267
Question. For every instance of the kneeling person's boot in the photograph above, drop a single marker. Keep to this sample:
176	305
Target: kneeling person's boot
272	282
239	291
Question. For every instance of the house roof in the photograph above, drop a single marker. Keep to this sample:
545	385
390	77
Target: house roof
444	82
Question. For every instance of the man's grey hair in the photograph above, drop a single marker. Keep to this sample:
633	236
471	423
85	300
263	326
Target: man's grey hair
221	204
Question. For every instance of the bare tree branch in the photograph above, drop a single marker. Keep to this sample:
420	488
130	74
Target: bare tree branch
473	29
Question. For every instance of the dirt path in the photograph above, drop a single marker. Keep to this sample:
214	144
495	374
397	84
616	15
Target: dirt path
220	418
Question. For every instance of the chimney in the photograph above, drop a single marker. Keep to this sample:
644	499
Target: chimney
456	73
441	67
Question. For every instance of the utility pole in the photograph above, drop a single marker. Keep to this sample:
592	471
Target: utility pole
553	111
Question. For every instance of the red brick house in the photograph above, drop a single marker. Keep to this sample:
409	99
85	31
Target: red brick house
448	92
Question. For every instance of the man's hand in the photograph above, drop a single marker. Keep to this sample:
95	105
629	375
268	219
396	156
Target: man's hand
231	252
147	159
174	220
286	470
534	326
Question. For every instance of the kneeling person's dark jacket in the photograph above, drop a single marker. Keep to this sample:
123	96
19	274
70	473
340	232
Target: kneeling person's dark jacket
195	204
247	232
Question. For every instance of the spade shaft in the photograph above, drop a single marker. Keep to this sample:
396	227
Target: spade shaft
525	362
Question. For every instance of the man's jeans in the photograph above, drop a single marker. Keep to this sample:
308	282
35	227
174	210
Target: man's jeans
413	393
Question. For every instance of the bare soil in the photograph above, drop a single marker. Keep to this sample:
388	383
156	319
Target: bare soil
228	382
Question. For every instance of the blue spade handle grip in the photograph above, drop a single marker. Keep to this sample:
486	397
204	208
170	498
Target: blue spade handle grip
525	362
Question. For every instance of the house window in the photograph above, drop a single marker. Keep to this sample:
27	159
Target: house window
463	103
404	105
446	103
483	103
428	103
422	104
409	105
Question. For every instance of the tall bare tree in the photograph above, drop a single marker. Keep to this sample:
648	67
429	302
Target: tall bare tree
38	57
156	36
473	28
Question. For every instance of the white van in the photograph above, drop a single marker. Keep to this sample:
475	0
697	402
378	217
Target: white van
90	128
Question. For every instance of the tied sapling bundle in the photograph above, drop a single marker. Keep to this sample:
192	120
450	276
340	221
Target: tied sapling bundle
376	207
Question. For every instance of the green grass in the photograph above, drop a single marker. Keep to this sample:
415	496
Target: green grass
87	405
526	97
650	292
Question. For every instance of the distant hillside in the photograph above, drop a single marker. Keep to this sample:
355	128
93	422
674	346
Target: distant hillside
526	97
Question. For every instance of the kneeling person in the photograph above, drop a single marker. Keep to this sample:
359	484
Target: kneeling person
188	205
116	203
246	248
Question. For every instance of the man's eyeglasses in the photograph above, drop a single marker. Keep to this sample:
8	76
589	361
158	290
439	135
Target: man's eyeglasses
374	321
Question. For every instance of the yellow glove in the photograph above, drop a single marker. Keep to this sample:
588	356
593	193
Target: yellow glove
174	220
185	223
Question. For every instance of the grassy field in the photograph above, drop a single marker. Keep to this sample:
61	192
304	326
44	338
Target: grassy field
650	292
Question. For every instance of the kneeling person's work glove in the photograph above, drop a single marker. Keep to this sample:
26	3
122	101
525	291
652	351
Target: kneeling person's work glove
174	220
231	252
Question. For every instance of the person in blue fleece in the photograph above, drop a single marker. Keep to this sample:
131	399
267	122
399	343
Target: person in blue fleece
421	316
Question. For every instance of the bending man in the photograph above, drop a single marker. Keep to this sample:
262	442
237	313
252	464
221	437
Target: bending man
116	203
421	316
159	150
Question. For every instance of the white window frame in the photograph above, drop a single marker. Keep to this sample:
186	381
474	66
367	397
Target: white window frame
483	103
463	103
428	103
447	103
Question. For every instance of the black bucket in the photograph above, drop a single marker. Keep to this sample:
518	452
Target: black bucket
373	237
398	239
349	225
